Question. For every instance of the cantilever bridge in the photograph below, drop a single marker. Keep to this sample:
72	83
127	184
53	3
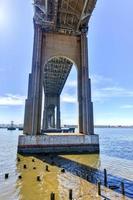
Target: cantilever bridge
60	40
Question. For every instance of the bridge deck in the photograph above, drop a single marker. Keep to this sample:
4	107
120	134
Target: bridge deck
56	72
64	16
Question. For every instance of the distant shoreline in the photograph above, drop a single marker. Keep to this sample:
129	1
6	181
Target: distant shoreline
74	126
113	126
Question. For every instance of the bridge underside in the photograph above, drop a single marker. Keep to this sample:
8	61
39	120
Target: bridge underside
56	72
63	16
60	40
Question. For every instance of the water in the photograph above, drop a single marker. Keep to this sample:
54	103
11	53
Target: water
116	155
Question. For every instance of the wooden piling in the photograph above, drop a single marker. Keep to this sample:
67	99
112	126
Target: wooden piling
6	176
34	167
122	188
47	168
52	196
87	177
18	159
20	177
99	187
38	178
24	166
70	194
63	170
105	178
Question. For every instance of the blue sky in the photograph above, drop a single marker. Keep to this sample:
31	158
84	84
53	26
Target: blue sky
110	62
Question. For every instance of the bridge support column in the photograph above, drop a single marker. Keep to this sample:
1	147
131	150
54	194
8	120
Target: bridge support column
28	108
84	90
80	100
32	121
45	116
58	121
51	117
49	114
38	78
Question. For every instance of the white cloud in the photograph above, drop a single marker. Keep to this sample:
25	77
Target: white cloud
104	88
67	98
110	92
97	94
72	83
113	89
98	79
127	106
95	79
12	100
114	121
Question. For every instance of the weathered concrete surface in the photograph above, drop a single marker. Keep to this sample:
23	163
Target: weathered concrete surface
60	40
58	143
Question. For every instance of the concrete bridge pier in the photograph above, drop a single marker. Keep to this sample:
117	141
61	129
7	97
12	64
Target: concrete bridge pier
86	124
51	114
84	90
60	41
32	118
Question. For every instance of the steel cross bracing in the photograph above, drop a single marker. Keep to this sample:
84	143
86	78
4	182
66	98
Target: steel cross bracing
56	72
64	16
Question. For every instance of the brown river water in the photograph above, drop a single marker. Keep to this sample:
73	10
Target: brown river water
81	171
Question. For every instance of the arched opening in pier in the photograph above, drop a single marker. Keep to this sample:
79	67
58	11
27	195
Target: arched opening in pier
60	103
69	101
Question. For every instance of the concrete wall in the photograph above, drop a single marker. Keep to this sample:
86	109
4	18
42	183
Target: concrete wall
59	149
58	139
61	45
59	144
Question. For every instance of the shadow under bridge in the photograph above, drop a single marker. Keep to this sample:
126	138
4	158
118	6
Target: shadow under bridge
56	72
